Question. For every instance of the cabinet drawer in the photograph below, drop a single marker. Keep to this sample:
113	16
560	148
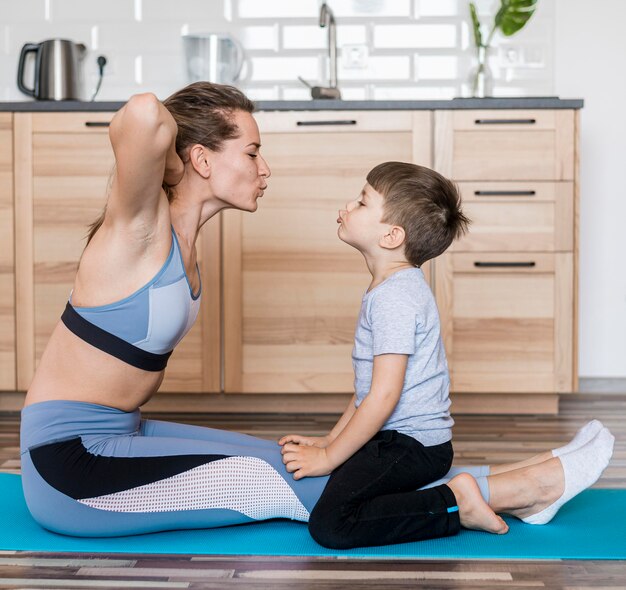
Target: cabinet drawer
508	145
505	323
336	121
523	217
71	122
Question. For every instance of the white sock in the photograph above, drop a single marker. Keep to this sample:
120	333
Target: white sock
582	437
582	468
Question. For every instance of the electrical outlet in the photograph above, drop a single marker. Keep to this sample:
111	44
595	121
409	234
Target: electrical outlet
355	56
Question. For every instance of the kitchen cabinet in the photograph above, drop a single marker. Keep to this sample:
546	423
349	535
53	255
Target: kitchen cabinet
282	292
292	289
507	291
64	162
7	261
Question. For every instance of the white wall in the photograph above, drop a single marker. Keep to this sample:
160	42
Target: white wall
590	63
417	48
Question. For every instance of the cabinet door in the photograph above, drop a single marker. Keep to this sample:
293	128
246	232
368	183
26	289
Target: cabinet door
507	320
70	164
292	289
517	217
7	265
505	145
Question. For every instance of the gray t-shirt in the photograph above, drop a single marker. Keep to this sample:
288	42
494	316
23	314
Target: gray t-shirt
400	316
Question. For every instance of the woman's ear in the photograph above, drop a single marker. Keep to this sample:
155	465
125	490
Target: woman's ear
393	238
200	159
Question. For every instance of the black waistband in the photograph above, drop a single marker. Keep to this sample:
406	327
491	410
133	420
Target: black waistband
111	344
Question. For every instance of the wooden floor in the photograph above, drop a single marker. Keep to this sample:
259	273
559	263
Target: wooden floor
477	439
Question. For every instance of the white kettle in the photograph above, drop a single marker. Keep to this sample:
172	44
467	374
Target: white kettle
213	57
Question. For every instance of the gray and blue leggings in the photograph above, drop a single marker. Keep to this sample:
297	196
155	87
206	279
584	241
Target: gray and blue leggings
96	471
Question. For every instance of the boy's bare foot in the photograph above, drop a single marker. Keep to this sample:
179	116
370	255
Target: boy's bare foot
474	512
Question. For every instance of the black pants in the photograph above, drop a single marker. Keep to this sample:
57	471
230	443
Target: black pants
373	498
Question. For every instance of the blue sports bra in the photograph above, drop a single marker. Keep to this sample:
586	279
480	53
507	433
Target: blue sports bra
143	328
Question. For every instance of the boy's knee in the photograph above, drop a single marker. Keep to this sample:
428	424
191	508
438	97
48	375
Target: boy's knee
329	532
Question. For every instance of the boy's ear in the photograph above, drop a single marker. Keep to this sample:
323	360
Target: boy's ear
200	159
393	238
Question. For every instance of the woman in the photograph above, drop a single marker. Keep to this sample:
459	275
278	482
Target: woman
90	465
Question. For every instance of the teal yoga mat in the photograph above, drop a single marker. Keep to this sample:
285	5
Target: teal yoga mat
589	527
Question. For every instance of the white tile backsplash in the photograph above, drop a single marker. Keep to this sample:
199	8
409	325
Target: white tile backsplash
91	11
260	38
370	8
276	9
436	67
414	92
284	68
314	37
424	8
14	11
155	37
409	48
384	67
415	36
211	11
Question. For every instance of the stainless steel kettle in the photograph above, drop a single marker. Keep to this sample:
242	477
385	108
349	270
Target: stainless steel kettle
58	74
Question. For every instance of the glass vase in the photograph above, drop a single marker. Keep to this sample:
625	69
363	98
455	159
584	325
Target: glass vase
481	78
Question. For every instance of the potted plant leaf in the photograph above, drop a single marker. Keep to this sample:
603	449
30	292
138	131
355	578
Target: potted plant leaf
511	17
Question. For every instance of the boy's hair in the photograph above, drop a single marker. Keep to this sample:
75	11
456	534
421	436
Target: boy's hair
424	203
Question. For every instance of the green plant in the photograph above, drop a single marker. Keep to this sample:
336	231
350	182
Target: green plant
510	18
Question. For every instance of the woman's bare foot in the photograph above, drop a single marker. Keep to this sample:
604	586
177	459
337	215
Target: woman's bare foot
534	460
584	435
474	512
527	491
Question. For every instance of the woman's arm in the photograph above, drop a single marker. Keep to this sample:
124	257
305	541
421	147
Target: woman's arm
143	137
387	382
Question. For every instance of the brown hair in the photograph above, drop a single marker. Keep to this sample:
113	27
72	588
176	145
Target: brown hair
204	114
424	203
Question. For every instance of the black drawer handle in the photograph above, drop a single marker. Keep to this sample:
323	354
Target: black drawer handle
505	193
504	264
312	123
97	123
505	121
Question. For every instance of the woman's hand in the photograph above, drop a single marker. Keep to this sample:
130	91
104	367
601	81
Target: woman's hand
307	441
174	170
306	461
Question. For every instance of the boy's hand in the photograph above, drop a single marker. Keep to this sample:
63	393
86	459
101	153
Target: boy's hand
307	441
305	461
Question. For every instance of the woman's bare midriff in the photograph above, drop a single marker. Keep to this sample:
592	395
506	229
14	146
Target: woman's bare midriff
71	369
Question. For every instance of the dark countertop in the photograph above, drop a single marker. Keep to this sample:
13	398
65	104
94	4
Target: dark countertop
546	102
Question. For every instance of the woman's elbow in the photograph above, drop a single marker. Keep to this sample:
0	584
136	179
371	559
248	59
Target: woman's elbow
143	116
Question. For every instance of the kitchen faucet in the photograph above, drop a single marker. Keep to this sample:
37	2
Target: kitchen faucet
327	19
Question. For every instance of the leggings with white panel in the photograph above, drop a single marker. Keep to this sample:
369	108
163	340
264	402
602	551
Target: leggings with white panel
96	471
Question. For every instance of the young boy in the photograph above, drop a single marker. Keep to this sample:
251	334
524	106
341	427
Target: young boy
394	436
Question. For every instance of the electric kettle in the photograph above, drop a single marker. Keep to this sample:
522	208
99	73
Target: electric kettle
213	57
58	65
